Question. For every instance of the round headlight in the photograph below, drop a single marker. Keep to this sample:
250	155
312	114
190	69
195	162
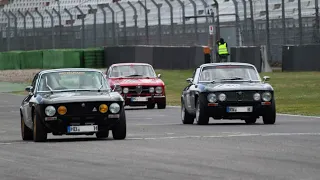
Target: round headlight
158	90
114	108
222	97
212	98
256	96
151	89
103	108
266	96
62	110
125	90
50	111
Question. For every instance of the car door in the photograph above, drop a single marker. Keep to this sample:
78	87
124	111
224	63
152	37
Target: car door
189	93
26	103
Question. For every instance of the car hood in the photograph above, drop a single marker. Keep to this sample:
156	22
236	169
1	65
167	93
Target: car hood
234	86
137	81
66	97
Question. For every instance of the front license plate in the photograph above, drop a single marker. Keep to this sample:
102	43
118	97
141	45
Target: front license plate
239	109
78	129
139	99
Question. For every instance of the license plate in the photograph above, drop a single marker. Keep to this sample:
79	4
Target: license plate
78	129
139	99
239	109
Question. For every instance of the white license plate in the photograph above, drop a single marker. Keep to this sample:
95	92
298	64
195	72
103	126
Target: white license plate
139	99
79	129
239	109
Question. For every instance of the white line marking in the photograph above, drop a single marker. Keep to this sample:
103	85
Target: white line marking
5	143
226	136
155	124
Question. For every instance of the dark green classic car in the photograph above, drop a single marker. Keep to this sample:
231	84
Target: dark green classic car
227	91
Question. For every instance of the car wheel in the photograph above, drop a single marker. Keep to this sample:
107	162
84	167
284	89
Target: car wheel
161	105
270	114
119	130
151	106
250	120
26	133
185	116
39	131
102	134
201	117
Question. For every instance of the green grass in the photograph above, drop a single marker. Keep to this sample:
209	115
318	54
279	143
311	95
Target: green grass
295	92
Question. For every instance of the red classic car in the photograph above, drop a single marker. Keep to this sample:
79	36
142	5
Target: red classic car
138	84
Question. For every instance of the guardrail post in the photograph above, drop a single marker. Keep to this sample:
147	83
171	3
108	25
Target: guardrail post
183	19
8	33
146	19
60	25
195	20
34	29
171	19
101	6
71	18
24	29
237	22
82	25
135	17
252	23
113	24
124	22
15	19
159	20
42	27
94	11
52	28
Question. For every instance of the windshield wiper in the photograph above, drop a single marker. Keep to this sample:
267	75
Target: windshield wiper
233	78
134	75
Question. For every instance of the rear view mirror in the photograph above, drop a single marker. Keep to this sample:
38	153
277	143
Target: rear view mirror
29	88
189	80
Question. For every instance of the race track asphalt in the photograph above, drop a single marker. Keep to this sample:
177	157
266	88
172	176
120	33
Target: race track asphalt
158	146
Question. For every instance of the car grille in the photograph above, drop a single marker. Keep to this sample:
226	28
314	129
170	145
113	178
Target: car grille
83	108
138	89
239	96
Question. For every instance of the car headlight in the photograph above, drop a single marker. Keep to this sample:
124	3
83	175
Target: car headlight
125	90
158	90
62	110
50	111
103	108
256	96
114	108
222	97
212	98
151	89
266	96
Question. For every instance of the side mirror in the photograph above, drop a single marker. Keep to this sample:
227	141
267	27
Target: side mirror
29	89
266	78
159	76
189	80
116	87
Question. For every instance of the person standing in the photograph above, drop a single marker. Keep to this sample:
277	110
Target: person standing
223	52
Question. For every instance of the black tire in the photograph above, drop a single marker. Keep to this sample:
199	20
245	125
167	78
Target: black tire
161	105
251	120
186	118
151	106
26	133
102	134
270	114
119	130
201	117
39	131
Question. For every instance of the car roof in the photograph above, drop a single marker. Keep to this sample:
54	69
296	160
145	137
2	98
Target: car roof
226	63
68	70
123	64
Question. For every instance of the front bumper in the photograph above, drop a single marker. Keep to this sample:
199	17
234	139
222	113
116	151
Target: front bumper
144	100
58	125
219	110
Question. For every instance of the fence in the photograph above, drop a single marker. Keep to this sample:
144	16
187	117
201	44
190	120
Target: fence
171	22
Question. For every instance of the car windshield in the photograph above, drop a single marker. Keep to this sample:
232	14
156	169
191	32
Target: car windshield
229	73
72	81
132	71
